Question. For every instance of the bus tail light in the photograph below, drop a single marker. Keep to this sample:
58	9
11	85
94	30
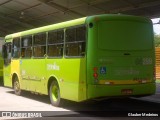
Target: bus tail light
95	74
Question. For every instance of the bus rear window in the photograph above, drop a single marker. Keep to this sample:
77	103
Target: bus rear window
124	35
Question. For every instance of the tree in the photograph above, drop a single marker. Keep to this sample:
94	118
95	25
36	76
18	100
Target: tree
157	40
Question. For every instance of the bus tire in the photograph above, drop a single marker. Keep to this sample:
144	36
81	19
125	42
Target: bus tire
54	94
16	86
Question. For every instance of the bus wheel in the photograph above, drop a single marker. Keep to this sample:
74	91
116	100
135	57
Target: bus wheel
54	93
17	89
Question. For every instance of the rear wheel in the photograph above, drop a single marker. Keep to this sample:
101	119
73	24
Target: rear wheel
54	93
17	89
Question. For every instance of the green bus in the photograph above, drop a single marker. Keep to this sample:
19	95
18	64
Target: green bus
1	69
93	57
1	60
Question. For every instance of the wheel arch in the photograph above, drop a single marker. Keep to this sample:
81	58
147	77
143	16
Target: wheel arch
50	80
13	78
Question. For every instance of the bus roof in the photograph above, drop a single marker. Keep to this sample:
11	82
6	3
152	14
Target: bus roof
47	28
75	22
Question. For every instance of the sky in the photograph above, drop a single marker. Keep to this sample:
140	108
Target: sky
156	26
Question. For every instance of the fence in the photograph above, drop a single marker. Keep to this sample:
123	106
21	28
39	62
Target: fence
157	63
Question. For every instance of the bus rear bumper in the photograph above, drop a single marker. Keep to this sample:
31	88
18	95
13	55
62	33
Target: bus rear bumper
95	91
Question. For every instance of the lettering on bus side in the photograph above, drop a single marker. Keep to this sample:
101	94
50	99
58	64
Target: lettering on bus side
53	67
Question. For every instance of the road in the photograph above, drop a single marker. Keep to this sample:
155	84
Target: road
90	109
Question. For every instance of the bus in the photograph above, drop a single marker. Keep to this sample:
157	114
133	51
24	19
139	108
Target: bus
1	69
99	56
1	61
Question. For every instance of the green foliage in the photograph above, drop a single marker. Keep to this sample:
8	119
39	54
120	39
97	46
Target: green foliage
157	40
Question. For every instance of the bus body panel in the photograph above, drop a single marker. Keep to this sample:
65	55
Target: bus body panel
120	56
33	74
7	76
99	91
71	75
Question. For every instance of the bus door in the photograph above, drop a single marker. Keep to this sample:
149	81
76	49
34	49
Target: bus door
7	64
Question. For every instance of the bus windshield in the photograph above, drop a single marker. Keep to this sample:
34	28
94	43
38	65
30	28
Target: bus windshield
124	35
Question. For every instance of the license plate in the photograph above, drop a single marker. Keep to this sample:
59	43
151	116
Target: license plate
127	91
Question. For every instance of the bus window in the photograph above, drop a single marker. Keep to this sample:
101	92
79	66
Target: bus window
81	33
75	41
7	53
16	48
26	49
39	45
55	43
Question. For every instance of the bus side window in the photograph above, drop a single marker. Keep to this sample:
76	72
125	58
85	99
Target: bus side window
16	48
7	53
4	49
55	43
39	45
26	49
75	41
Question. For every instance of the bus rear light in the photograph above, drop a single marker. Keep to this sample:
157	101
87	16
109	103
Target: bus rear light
109	83
95	75
95	69
95	72
144	81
